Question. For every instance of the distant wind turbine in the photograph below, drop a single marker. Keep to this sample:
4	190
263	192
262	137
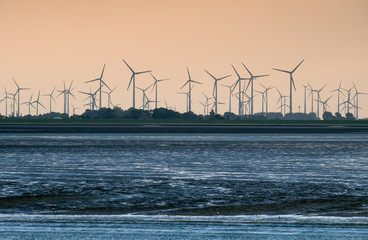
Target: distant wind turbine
132	79
155	84
29	103
338	90
189	82
18	92
102	83
252	78
230	94
357	102
50	95
292	84
38	103
214	92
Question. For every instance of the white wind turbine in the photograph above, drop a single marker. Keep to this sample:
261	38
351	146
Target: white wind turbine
102	83
252	77
189	82
305	98
155	86
18	92
6	101
338	90
50	95
109	100
214	92
324	103
29	103
230	94
266	96
38	103
132	79
238	82
144	95
292	84
356	101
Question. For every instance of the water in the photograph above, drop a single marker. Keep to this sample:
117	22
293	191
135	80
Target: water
183	186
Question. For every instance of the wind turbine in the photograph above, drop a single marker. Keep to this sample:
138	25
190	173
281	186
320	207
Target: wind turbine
357	102
92	97
230	94
324	103
238	82
312	98
144	95
305	98
109	101
29	103
292	84
348	101
207	102
319	98
38	103
6	102
155	86
189	90
282	100
101	84
18	92
187	94
74	108
132	79
338	90
252	77
263	98
51	98
214	92
266	96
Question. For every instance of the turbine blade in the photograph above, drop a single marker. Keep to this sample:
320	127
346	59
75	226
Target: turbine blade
188	74
235	71
248	70
143	72
210	74
103	69
224	77
97	79
130	81
298	65
280	70
128	66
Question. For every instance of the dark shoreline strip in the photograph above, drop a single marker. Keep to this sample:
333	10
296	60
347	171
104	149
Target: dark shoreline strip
91	128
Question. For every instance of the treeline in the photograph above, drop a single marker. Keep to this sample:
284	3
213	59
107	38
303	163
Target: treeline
163	113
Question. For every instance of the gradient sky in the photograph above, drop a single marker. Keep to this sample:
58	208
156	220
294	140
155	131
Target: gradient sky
43	42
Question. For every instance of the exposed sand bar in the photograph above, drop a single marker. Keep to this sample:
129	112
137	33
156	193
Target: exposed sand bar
118	128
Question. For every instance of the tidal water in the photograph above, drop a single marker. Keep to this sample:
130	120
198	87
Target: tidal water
183	186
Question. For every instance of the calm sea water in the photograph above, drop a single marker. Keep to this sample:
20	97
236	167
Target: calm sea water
183	186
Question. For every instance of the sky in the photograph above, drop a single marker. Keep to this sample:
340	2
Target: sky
44	42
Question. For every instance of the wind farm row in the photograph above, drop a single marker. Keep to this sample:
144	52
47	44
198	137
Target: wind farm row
246	92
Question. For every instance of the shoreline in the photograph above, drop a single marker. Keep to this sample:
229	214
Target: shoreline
178	128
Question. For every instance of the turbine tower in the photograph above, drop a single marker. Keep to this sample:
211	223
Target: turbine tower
18	92
292	84
230	94
109	100
132	79
51	98
319	98
155	86
38	103
252	77
338	90
101	84
266	96
29	103
356	101
214	92
189	82
238	82
144	95
305	98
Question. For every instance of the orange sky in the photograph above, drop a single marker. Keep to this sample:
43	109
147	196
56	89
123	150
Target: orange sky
43	42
